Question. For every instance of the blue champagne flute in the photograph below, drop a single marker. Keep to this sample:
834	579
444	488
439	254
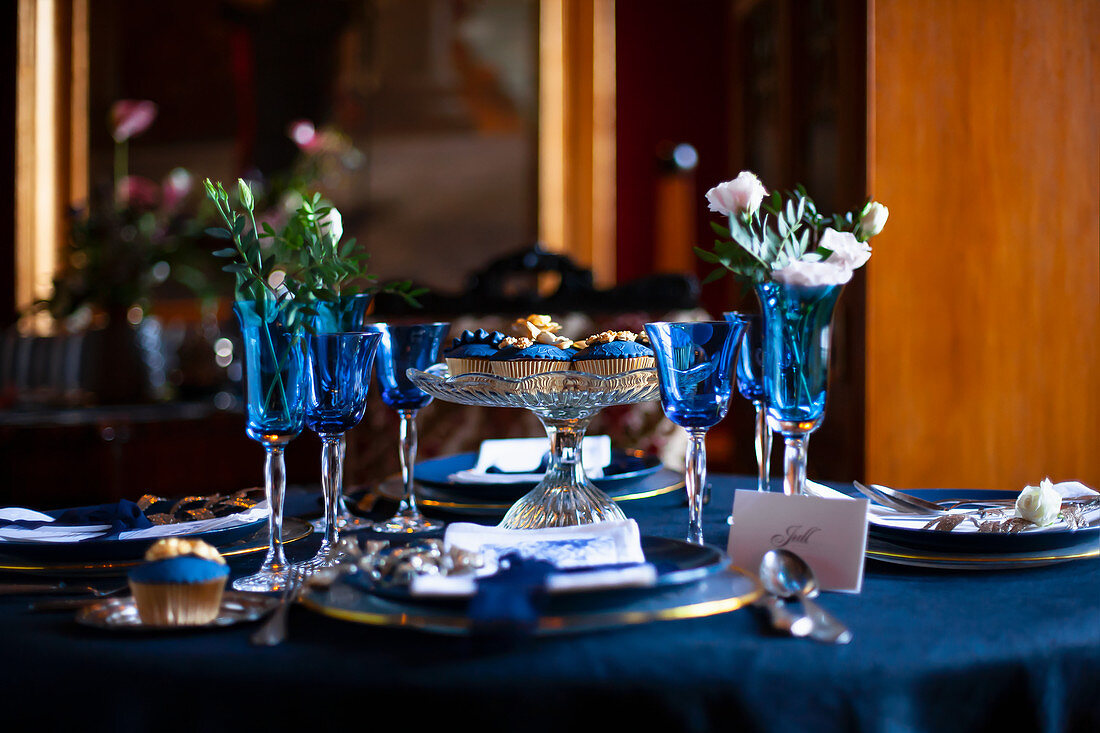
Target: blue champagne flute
338	369
750	383
401	348
274	384
695	364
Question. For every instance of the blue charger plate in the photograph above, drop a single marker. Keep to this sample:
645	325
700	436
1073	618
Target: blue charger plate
677	562
98	549
625	467
1028	541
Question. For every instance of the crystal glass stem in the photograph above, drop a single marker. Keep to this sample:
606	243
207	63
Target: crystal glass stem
695	477
274	566
794	464
763	447
408	461
332	474
565	496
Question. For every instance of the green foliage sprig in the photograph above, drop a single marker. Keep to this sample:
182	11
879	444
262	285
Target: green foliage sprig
291	271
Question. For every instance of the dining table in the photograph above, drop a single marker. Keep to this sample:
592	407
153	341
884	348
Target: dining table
932	649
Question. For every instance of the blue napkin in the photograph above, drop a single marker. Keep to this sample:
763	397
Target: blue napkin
121	516
508	603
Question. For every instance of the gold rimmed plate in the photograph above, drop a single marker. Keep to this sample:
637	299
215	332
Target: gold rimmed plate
720	592
899	554
121	614
293	531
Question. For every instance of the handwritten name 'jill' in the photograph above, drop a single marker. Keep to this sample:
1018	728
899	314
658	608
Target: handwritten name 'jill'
795	534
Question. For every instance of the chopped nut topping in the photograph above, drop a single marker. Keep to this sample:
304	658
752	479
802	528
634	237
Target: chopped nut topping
533	325
178	546
545	337
521	343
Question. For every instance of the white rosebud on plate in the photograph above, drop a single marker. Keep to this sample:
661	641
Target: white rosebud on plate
740	196
1040	504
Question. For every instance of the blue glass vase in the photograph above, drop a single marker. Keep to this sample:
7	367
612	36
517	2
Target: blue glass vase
346	313
274	367
695	366
401	348
338	377
797	338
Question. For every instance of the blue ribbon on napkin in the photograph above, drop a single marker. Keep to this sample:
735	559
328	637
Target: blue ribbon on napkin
121	516
508	603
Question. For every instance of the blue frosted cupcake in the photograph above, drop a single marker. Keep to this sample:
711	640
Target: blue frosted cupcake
471	352
180	584
613	352
518	358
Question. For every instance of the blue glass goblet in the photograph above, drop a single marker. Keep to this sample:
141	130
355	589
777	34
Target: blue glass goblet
274	384
337	377
695	364
750	383
345	314
797	337
405	347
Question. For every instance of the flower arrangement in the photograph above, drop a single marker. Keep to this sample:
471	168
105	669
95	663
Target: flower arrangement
783	237
291	271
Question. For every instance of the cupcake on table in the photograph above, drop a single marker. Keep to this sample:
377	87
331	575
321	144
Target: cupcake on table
180	584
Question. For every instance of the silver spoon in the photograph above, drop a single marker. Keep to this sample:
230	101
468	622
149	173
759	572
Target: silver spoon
782	617
787	575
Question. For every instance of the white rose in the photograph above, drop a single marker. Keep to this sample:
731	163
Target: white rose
1039	504
846	249
742	195
872	222
813	274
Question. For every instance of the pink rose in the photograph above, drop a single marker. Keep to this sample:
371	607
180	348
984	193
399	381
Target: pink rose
742	195
304	135
130	117
846	249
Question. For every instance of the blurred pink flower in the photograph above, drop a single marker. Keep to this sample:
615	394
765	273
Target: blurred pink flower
304	135
137	192
130	117
177	184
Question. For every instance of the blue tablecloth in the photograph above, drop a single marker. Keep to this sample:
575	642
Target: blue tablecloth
934	650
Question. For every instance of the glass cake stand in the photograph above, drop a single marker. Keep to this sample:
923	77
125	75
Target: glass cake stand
565	402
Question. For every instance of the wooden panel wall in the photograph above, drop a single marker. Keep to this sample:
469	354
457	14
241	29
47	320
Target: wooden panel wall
983	322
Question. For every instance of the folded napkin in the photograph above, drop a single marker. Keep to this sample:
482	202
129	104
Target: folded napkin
523	565
123	521
890	517
518	460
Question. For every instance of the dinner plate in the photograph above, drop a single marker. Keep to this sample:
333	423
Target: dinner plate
97	549
293	530
676	562
625	467
121	614
879	549
461	500
1048	541
723	591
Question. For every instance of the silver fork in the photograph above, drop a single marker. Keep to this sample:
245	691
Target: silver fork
273	630
898	500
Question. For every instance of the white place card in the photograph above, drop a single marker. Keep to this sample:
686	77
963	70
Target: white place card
829	534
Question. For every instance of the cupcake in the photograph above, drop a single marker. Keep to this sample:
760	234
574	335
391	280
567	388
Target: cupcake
470	352
613	352
522	357
180	584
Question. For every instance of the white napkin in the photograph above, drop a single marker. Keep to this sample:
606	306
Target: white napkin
889	517
568	548
77	533
519	459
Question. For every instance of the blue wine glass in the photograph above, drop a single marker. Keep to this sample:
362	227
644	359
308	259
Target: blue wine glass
274	368
695	365
405	347
338	369
346	313
797	324
750	383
